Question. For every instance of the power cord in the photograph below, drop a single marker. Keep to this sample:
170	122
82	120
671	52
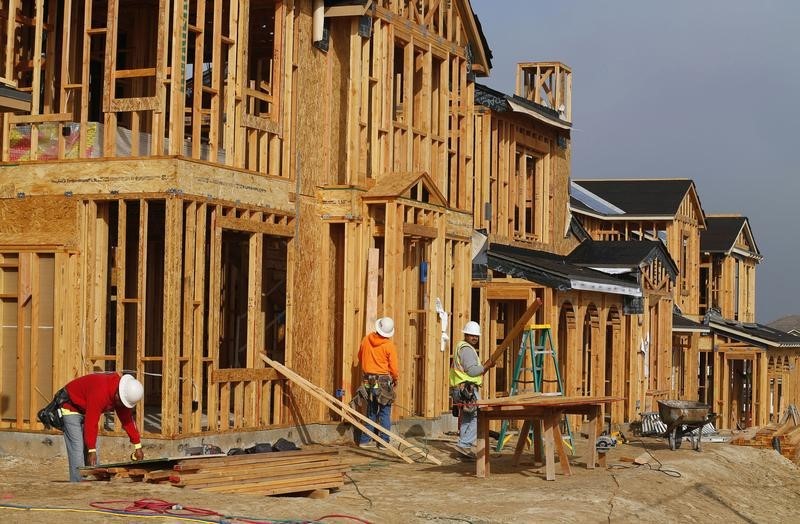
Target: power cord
355	485
660	468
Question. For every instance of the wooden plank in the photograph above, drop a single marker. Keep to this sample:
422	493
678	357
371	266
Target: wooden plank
173	232
243	375
251	226
124	105
141	306
417	230
199	311
257	474
349	413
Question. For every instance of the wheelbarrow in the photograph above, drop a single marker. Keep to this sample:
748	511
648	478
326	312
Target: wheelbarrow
682	417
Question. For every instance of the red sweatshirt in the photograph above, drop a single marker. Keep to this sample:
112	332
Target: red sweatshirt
378	356
93	395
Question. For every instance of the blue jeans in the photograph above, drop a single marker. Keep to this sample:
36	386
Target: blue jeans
468	426
76	450
380	414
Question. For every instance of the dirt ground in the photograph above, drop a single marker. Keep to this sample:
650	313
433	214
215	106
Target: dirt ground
722	483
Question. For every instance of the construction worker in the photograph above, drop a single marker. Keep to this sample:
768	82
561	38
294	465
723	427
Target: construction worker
89	397
466	376
378	357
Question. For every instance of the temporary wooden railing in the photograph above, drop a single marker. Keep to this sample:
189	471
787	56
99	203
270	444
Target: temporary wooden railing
248	395
11	122
351	415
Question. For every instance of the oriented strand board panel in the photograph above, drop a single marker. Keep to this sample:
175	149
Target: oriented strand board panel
143	175
39	221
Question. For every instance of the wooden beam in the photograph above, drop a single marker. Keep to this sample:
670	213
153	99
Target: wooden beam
243	375
516	330
349	413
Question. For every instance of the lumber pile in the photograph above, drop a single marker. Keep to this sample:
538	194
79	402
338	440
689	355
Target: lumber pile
276	473
783	436
263	473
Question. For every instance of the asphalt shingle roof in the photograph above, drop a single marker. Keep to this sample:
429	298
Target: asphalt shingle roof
720	233
621	253
546	268
641	197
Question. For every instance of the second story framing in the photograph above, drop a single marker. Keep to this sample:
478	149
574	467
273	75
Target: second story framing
203	79
668	210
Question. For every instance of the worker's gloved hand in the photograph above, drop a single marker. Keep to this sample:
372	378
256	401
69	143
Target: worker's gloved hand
137	454
91	458
489	364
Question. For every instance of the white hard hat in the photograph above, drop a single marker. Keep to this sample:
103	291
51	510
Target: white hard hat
472	328
385	327
130	390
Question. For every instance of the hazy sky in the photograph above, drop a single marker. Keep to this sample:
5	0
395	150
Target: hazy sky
700	89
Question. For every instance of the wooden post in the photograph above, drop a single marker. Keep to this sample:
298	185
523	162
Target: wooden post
173	233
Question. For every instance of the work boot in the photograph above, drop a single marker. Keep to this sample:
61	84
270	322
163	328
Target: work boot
370	444
467	452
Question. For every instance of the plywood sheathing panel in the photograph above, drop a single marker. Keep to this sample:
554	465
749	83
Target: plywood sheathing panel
152	176
39	221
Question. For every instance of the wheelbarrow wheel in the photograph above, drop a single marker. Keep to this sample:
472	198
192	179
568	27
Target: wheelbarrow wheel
674	439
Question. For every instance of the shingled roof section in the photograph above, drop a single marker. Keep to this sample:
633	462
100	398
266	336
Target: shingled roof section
683	324
622	254
554	270
759	334
721	233
502	103
660	197
789	324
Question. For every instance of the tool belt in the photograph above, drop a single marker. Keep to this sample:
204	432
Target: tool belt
465	398
50	415
380	388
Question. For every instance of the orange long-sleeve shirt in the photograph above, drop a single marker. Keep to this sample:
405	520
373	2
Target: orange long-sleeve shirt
378	356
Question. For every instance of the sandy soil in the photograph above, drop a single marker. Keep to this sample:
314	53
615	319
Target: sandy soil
722	483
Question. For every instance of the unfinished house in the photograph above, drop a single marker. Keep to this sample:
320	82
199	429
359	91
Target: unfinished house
593	296
745	368
668	211
193	183
728	260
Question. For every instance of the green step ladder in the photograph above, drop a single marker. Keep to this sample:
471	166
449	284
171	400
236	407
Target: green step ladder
537	355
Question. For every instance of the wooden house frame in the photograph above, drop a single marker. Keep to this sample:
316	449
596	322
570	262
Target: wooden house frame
624	214
729	256
522	168
184	185
196	182
751	370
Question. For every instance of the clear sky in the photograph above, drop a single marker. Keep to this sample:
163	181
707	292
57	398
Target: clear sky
700	89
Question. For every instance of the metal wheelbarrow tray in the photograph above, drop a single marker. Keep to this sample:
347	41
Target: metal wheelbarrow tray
682	417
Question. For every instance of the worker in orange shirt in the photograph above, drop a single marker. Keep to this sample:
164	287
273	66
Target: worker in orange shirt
378	357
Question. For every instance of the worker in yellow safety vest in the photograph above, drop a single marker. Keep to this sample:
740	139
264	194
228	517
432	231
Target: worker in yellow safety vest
466	376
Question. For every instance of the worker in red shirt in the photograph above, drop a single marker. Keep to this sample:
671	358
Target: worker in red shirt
378	357
89	397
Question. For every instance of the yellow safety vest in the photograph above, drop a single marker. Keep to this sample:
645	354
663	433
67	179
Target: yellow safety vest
457	373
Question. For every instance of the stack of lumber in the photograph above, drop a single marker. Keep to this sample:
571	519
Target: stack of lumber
787	435
275	473
263	473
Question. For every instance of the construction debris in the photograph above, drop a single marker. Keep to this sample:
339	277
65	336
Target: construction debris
783	437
